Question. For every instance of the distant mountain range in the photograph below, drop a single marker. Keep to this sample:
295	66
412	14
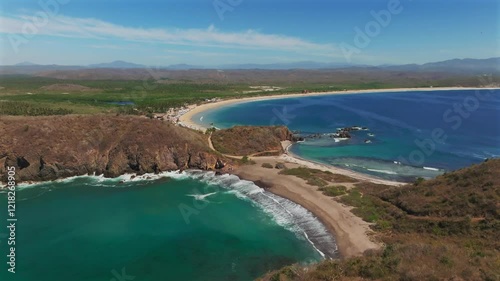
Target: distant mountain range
479	66
294	65
116	64
455	65
25	63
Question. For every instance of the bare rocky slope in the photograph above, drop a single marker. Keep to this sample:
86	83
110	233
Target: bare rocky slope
251	140
47	148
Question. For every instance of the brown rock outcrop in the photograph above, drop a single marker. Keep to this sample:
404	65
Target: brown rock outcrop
249	140
47	148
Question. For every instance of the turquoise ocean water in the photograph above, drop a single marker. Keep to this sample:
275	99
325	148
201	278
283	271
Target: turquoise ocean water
188	226
409	134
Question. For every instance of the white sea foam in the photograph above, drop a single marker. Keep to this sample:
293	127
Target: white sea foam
490	154
201	197
94	178
283	211
100	180
383	171
339	139
479	156
431	169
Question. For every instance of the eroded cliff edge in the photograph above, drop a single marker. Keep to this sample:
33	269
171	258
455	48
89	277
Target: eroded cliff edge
47	148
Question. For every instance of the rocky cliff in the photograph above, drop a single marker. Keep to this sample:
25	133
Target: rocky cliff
251	140
46	148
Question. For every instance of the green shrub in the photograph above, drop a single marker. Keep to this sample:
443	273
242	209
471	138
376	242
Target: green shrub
29	109
334	190
210	130
418	181
245	160
267	165
317	177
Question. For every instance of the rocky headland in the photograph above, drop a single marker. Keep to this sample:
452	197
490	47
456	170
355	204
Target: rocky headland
252	140
341	133
48	148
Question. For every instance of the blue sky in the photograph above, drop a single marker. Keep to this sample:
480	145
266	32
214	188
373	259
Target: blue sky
214	32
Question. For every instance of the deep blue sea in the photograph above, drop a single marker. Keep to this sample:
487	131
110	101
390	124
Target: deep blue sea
409	134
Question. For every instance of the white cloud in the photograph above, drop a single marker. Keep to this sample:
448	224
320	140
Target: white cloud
110	46
63	26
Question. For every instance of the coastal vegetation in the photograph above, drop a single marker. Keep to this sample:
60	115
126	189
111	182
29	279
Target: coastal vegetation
109	96
317	177
334	190
30	109
441	229
245	160
267	165
138	92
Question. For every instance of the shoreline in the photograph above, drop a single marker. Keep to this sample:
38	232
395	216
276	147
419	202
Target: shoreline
186	118
293	158
351	233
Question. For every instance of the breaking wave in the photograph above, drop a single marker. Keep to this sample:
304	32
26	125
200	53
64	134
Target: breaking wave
284	212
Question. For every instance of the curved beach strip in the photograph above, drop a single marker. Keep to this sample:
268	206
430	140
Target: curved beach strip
187	120
353	235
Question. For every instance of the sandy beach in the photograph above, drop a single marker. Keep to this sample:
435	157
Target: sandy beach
186	119
291	158
353	235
